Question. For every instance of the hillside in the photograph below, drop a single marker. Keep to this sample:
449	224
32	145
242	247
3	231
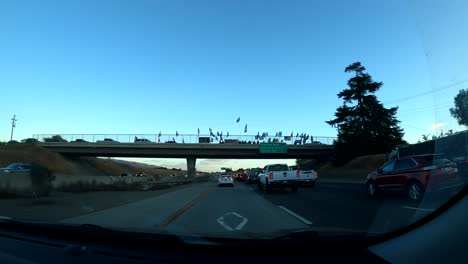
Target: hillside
26	153
358	167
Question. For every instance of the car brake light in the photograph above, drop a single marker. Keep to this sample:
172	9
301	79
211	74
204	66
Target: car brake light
271	175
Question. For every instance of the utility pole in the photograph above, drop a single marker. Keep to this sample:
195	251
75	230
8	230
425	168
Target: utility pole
13	125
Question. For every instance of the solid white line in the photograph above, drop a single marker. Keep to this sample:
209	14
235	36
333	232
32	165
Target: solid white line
420	209
295	215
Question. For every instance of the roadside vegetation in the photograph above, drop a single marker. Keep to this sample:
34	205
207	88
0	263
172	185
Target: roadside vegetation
365	126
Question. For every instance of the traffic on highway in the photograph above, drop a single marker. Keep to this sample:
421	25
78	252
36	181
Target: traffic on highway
261	127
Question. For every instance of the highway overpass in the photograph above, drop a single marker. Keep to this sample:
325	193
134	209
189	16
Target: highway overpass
189	151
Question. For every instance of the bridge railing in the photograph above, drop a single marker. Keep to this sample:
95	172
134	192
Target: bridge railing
188	138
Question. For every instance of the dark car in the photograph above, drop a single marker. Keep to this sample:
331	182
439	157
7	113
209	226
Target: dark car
80	141
414	175
142	140
17	168
252	177
108	140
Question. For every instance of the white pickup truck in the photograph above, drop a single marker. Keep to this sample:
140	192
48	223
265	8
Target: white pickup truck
278	176
307	177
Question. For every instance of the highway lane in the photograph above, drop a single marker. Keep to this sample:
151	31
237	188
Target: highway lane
201	209
236	211
242	211
346	207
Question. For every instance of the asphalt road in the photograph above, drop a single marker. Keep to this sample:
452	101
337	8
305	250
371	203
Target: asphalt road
205	209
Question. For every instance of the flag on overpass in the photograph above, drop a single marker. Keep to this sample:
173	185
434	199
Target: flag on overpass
217	133
245	128
211	133
183	141
281	133
227	134
159	134
286	138
176	133
291	134
238	119
199	131
297	135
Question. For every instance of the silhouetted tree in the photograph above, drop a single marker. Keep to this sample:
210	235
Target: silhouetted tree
364	125
460	111
56	138
425	137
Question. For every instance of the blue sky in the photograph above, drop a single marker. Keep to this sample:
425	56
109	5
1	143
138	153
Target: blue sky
147	66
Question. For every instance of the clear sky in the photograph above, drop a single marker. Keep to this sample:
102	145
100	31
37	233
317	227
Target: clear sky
144	66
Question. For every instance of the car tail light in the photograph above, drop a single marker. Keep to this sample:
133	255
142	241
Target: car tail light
271	175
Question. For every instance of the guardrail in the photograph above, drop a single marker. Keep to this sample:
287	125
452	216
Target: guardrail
188	138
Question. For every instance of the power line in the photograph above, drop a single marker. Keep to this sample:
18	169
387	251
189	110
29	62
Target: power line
427	108
426	92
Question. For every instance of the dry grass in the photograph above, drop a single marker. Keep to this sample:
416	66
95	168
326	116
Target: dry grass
58	164
356	168
109	167
29	153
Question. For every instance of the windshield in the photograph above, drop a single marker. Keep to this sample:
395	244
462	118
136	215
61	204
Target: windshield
137	110
278	168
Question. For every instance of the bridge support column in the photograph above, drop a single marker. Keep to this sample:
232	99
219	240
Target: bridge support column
191	170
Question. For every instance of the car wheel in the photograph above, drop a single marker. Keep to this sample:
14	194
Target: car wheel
415	191
371	189
294	189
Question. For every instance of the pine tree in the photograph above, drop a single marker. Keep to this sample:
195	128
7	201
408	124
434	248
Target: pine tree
364	125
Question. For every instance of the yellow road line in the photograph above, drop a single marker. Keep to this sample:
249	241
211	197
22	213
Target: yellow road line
184	209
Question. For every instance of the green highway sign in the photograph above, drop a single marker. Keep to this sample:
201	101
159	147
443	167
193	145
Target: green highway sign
268	148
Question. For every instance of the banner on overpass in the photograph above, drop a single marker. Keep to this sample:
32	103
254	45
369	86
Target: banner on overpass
269	148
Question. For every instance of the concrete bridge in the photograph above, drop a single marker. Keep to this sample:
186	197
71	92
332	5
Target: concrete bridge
190	151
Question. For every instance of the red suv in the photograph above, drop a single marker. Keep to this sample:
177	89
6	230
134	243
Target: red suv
414	175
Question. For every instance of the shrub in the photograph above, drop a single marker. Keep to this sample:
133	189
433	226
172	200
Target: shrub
41	180
56	138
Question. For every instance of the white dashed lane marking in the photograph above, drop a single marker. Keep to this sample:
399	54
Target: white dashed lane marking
419	209
307	222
